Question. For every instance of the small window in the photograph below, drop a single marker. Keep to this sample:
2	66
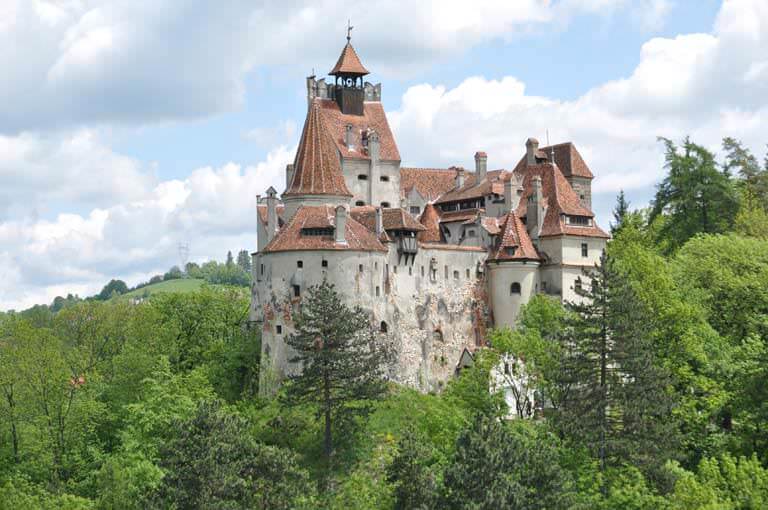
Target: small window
514	288
422	271
384	178
455	275
324	263
279	330
544	286
385	204
362	177
375	265
471	233
410	270
584	250
577	284
378	291
261	269
394	269
299	263
383	327
511	250
296	291
468	273
415	210
360	268
359	203
437	336
445	270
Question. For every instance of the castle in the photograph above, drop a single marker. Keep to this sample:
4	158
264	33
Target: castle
437	256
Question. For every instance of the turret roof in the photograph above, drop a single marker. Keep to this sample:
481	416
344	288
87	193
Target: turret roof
349	62
317	167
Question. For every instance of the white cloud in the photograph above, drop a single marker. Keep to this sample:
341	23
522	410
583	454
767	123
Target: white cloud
213	210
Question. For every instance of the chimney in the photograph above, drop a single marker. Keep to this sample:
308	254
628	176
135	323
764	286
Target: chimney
340	222
374	147
379	222
288	175
535	212
311	89
531	146
348	137
459	177
481	165
271	213
508	191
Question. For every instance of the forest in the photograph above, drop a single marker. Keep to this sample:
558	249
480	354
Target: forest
652	395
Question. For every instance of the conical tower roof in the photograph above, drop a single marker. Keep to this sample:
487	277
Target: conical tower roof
430	218
349	63
317	168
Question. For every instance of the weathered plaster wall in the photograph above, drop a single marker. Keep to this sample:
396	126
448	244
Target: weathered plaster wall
504	304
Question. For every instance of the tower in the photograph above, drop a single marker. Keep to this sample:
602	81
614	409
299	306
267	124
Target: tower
349	72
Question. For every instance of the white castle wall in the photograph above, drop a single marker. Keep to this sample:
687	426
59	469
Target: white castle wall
505	304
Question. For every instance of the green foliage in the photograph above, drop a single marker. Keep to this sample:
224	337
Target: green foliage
500	466
620	212
213	463
19	493
412	472
470	391
173	274
113	288
695	197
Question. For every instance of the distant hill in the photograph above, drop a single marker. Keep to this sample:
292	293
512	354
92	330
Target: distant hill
178	285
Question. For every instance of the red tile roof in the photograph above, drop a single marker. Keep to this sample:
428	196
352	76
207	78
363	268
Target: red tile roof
431	183
493	183
446	246
568	159
349	62
393	218
430	218
290	238
515	239
559	198
262	212
373	117
317	167
491	225
463	215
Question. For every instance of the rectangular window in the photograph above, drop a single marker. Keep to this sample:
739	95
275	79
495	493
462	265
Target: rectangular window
378	291
299	263
410	270
279	330
262	269
384	178
446	272
325	263
582	221
455	275
584	250
468	273
415	210
360	268
394	269
422	271
362	177
471	233
296	291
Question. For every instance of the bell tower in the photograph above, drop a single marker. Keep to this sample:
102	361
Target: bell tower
349	72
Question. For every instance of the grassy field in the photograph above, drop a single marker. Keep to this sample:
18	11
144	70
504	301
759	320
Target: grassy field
181	285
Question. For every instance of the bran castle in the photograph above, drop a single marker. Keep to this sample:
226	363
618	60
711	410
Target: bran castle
437	256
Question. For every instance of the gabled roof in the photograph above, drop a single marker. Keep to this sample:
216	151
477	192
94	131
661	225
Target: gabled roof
431	183
430	218
559	200
317	167
290	237
349	62
567	159
462	215
515	243
392	218
493	183
373	117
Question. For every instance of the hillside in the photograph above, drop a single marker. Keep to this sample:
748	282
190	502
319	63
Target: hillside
179	285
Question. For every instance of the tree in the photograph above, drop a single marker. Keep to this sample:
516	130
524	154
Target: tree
114	287
213	462
173	273
620	212
614	395
342	362
695	197
192	270
230	260
497	465
244	260
740	161
412	472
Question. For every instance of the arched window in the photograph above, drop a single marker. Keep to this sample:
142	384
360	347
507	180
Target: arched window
514	288
383	327
437	335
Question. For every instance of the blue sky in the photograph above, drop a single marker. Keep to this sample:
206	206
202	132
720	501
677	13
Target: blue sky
132	126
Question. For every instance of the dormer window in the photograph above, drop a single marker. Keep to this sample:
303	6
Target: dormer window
328	231
579	221
511	250
385	205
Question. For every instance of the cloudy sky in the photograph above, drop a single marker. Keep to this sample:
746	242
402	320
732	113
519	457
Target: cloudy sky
130	126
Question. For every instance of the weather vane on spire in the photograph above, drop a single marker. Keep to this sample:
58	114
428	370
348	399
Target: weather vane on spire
349	30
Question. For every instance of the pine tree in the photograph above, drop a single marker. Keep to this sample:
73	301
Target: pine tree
230	260
619	212
614	395
244	260
342	361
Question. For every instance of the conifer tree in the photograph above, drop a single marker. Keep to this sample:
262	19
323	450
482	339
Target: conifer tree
614	395
230	260
244	260
342	361
620	212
